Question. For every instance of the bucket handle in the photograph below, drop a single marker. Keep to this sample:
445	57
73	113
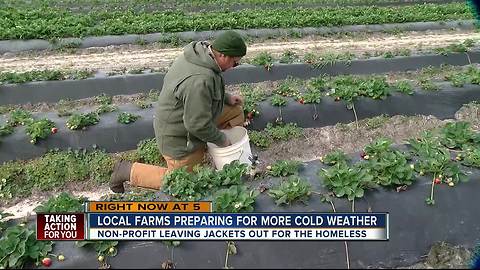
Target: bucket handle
241	153
249	158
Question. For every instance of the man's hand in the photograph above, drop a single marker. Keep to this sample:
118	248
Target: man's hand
225	143
235	100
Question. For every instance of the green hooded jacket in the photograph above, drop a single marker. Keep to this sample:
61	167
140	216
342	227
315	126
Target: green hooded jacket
191	100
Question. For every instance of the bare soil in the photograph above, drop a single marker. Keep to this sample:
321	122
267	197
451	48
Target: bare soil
317	142
156	56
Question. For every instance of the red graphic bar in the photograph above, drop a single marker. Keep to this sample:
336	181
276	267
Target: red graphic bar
61	226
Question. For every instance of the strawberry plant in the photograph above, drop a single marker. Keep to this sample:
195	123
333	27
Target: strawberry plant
207	179
142	104
403	52
458	79
104	99
43	75
289	87
284	168
64	107
140	196
64	202
252	96
474	75
317	84
4	109
472	158
12	181
376	122
260	139
278	100
81	121
335	157
455	48
347	181
387	166
311	96
293	189
153	95
283	132
374	87
136	71
231	174
264	59
106	108
6	129
288	57
39	129
458	135
345	88
181	184
29	76
147	152
57	23
435	159
404	87
320	61
127	118
19	246
203	181
311	59
427	85
388	54
234	200
19	117
78	74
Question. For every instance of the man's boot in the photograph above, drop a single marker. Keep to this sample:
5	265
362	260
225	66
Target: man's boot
121	173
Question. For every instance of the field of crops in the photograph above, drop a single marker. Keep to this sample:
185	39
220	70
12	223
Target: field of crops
351	106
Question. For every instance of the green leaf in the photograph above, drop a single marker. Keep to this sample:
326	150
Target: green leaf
359	193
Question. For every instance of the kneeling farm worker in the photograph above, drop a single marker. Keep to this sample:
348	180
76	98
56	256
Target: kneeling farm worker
191	110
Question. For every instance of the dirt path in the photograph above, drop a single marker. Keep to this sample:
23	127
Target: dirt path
25	207
128	57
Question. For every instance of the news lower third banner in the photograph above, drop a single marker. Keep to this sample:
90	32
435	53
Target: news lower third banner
194	221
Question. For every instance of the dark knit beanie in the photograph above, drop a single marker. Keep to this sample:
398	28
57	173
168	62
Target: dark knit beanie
230	43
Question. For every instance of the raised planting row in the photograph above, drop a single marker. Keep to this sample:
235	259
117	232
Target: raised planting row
316	103
149	5
49	23
420	185
264	58
325	101
184	37
54	91
125	126
404	81
267	59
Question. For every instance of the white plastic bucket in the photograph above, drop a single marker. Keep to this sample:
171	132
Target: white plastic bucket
239	150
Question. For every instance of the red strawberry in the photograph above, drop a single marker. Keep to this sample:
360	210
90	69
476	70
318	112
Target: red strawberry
54	130
301	101
437	181
46	262
250	115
